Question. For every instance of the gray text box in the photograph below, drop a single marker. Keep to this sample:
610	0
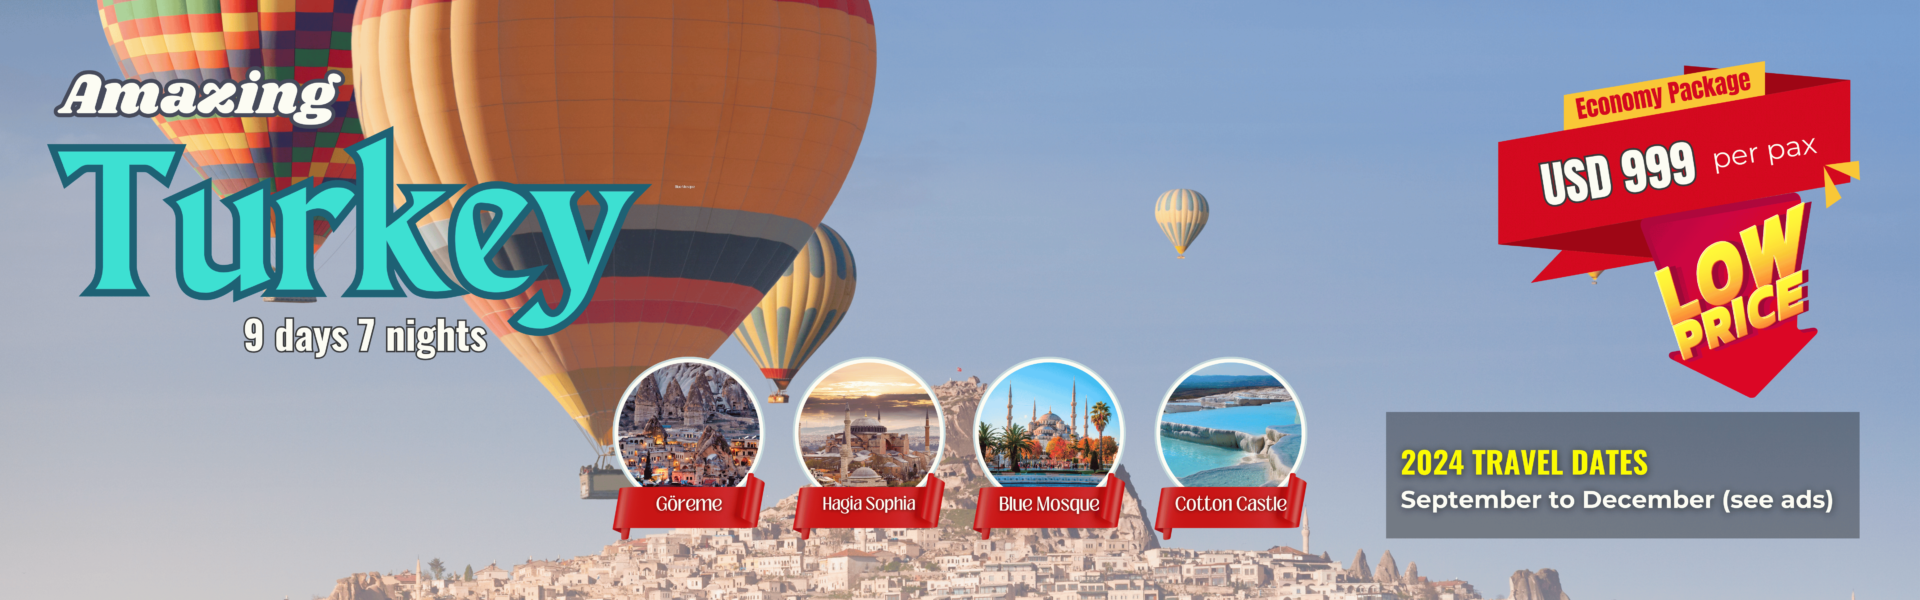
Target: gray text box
1723	455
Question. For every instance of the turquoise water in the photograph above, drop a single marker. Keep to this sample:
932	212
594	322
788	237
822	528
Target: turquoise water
1248	419
1247	475
1186	458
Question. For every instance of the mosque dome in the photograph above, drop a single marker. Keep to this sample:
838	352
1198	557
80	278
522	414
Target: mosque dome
865	477
868	425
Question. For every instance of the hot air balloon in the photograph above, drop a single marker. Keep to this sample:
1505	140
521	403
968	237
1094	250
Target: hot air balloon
743	116
1182	214
208	40
801	310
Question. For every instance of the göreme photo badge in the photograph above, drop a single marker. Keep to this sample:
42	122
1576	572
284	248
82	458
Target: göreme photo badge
1698	174
688	435
1231	433
1049	472
871	435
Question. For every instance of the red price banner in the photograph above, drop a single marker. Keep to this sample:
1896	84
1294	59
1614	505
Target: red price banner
844	507
719	507
1698	191
1049	507
1243	507
1584	191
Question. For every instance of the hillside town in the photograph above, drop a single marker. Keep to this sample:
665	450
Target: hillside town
772	562
702	430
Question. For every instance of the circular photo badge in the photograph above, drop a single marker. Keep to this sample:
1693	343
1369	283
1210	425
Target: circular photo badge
687	422
869	422
1231	422
1048	422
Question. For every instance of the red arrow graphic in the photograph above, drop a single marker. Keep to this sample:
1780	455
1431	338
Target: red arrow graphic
1677	242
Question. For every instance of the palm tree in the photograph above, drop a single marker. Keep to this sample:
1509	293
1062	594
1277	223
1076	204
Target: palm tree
1015	443
1099	415
989	441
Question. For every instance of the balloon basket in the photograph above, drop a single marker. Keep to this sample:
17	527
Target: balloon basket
777	399
290	300
600	482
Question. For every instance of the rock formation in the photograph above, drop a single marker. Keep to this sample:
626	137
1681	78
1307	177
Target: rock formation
1133	519
1389	571
1359	571
1413	573
366	586
1543	584
736	396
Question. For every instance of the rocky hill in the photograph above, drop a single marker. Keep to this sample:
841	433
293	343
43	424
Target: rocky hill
1543	584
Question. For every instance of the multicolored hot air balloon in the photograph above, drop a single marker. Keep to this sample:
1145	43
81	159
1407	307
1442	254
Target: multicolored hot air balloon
1182	214
743	115
801	310
219	40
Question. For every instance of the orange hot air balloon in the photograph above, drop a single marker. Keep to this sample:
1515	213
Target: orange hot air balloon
743	115
210	40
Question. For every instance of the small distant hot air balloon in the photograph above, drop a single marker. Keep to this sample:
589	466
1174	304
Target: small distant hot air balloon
1595	276
801	310
207	40
1182	214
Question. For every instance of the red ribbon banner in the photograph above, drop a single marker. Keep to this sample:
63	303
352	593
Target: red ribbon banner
1585	191
1241	507
1710	195
1049	507
718	507
841	507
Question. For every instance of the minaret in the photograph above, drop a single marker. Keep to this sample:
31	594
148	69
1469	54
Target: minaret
846	440
1009	407
926	431
1073	411
1306	532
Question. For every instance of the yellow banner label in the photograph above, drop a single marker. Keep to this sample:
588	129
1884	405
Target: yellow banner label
1622	102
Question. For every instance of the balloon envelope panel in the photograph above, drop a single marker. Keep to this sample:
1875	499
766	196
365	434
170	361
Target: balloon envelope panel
742	115
214	40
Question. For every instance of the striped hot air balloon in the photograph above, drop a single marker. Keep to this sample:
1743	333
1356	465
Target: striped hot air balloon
801	310
1182	214
743	116
220	40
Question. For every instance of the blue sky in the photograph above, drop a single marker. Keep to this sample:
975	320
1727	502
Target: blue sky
1001	209
1045	387
1231	368
908	406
